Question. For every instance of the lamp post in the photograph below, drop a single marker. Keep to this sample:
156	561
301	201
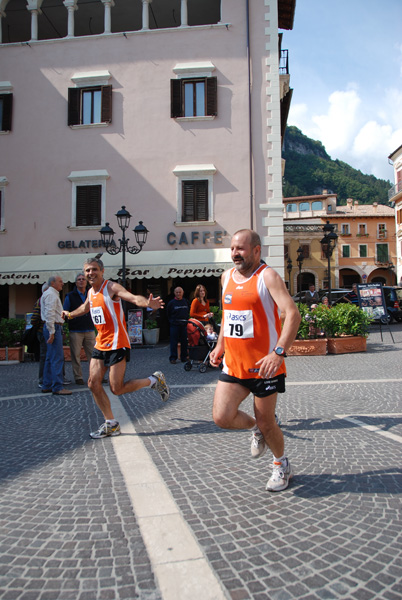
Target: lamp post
300	260
328	244
289	268
107	235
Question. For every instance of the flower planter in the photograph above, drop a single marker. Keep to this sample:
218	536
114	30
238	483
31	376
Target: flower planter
315	347
151	336
346	344
67	354
13	353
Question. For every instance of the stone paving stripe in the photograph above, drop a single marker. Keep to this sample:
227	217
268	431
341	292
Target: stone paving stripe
373	428
179	564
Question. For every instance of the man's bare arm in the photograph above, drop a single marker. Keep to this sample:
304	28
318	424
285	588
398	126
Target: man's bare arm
78	312
118	291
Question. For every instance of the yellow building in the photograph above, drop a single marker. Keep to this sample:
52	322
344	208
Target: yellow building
365	250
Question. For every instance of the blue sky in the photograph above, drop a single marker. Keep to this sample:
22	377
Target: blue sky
345	62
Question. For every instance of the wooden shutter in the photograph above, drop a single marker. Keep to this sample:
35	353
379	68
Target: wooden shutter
7	112
212	96
88	205
106	110
176	98
195	201
74	97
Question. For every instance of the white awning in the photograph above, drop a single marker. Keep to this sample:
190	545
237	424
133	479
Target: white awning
147	264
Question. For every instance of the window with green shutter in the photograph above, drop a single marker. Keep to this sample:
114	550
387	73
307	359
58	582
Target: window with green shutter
382	253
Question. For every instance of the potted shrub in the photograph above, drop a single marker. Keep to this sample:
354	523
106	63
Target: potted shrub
11	332
310	339
347	329
217	314
340	329
150	331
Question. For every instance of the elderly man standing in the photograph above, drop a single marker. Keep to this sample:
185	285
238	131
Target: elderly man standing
51	314
178	312
82	333
311	296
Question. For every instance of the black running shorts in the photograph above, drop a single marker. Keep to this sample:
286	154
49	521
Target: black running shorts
259	387
111	357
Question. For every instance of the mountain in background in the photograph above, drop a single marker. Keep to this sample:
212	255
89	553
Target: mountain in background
309	170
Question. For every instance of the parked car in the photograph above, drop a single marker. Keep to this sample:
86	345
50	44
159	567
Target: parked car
393	300
336	295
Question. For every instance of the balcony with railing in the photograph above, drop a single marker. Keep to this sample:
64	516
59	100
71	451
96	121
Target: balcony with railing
395	190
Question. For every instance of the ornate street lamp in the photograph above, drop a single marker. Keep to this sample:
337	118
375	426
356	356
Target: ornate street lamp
300	260
107	235
328	244
289	268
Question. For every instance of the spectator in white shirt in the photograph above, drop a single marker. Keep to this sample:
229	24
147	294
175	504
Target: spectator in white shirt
51	314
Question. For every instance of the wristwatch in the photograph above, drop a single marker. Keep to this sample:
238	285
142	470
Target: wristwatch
280	351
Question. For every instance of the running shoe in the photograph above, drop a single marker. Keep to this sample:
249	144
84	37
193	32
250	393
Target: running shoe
106	430
258	444
281	473
161	386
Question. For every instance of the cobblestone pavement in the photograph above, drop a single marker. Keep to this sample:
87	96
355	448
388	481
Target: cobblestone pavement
68	530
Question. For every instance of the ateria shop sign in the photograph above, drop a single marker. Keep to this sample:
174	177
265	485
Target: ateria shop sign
31	276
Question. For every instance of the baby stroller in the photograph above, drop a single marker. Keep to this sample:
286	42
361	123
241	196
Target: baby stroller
199	347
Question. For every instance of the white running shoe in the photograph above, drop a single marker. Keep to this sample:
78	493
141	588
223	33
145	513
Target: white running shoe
279	479
161	386
258	445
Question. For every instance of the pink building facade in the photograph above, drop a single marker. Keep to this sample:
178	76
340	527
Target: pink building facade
175	112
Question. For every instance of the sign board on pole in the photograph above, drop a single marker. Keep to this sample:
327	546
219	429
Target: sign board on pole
372	300
134	326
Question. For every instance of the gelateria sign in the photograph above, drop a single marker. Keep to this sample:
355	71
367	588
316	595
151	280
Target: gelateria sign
82	244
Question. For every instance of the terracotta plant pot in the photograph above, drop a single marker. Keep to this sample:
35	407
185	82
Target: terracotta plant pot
346	344
67	354
314	347
13	353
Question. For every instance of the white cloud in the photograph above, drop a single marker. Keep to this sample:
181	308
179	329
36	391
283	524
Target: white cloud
360	133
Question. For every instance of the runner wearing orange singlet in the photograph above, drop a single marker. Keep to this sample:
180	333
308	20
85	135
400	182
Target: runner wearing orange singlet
112	347
254	345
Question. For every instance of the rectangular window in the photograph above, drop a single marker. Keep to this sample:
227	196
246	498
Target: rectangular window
306	250
345	251
193	97
345	229
382	253
195	201
362	229
363	251
91	105
382	231
88	210
6	110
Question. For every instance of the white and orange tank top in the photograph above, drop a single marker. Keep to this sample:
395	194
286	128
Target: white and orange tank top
108	318
251	324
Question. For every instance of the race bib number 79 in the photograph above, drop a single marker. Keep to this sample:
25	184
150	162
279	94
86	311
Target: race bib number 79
97	316
238	324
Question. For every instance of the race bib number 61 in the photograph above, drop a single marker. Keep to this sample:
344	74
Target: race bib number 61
238	324
97	316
